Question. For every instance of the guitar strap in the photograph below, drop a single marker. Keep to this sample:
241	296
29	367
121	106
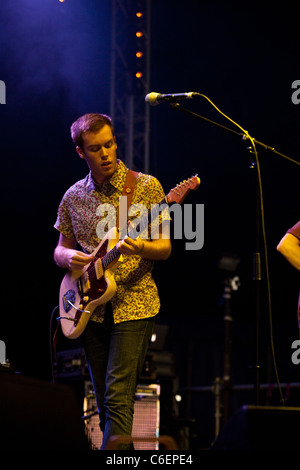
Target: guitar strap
128	192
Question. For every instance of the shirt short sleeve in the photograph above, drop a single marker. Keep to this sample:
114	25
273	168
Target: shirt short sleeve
63	222
295	230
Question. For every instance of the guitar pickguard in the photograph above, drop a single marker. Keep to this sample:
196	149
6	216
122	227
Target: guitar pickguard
81	292
92	283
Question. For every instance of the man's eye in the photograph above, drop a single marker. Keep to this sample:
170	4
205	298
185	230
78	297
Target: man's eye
109	144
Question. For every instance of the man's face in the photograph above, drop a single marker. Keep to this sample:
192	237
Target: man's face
99	151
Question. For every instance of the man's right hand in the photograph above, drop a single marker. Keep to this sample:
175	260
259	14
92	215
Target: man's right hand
67	257
76	260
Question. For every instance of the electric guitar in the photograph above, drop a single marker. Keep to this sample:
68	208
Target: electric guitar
82	291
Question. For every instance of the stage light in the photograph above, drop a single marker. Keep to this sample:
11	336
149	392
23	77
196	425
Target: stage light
140	39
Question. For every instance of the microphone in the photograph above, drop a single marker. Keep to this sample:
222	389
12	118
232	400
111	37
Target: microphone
155	98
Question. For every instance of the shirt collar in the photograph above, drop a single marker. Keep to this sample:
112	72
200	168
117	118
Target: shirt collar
117	180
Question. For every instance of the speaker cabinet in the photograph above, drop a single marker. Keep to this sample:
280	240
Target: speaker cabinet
146	416
37	415
260	428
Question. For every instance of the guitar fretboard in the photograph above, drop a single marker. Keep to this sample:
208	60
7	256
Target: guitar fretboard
112	254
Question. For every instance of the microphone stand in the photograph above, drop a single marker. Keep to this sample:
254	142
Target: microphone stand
230	284
256	273
241	134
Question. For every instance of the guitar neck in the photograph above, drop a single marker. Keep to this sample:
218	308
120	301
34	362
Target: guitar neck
146	220
176	195
112	254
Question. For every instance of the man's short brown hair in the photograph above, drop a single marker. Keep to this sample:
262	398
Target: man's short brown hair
89	123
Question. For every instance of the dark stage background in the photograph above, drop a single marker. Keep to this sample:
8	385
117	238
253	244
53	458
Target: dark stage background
55	62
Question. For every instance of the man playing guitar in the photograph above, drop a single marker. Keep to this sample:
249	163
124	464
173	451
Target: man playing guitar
118	334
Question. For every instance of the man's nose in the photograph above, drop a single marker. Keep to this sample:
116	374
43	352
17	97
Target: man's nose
104	152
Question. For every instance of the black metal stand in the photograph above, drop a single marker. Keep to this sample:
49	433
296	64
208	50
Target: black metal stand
256	278
227	348
230	284
241	134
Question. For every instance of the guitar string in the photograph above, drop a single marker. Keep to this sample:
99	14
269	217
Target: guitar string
142	224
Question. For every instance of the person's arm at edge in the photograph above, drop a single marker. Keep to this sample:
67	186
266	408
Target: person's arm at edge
289	247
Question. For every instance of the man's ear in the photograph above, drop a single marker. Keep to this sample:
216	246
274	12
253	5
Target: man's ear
80	152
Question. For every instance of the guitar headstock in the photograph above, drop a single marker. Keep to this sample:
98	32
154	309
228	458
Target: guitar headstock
179	193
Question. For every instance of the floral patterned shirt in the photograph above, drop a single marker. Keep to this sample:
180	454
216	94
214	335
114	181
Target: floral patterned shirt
78	216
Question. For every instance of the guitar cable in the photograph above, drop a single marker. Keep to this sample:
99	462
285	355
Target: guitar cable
52	342
76	308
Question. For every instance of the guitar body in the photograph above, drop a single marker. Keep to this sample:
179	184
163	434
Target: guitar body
82	291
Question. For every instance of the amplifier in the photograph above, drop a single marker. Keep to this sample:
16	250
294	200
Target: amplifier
146	416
